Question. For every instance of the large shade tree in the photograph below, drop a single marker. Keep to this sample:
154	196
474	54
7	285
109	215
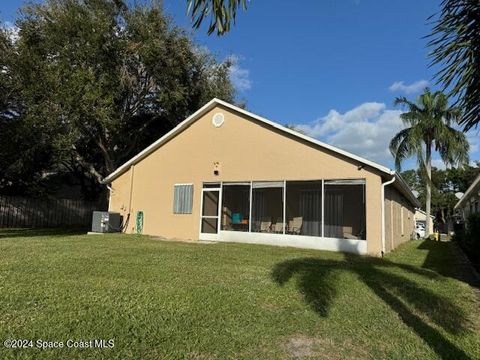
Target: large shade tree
429	127
455	44
99	80
24	150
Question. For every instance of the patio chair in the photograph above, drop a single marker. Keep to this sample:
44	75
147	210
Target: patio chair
265	226
278	227
348	233
295	225
227	219
237	218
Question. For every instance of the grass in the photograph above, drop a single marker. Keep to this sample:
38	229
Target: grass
171	300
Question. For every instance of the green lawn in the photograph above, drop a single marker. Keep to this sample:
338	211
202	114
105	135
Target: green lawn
171	300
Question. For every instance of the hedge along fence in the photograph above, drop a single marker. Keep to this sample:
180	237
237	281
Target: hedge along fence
469	239
22	212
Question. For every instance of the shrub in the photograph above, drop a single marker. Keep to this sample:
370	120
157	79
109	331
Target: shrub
469	239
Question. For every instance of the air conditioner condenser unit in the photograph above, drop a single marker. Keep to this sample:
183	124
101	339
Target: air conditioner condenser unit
106	222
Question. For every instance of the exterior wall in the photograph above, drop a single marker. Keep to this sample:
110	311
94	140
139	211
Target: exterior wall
470	201
246	150
120	193
422	216
470	206
395	204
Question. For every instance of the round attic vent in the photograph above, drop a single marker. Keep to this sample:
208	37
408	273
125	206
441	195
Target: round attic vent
218	119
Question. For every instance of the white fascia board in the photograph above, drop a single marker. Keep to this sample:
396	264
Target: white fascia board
407	191
468	192
151	148
307	138
214	102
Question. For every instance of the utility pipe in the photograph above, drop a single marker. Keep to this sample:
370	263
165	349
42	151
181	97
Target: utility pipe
132	169
110	190
383	212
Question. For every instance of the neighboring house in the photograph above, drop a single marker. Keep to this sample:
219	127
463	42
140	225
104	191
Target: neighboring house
226	174
469	203
421	217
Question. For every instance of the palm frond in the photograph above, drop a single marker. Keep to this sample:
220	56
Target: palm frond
402	147
405	103
453	147
455	44
222	13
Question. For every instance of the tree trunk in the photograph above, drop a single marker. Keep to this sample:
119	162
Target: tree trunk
86	165
428	161
109	164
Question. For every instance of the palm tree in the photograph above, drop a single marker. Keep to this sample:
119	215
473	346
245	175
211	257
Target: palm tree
429	122
221	12
455	44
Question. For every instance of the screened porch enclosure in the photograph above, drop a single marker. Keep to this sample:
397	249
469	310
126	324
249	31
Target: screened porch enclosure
267	207
304	207
345	210
317	208
236	207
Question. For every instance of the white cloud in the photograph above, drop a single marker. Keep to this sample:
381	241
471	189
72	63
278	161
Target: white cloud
400	86
474	140
366	130
8	25
11	29
439	164
239	76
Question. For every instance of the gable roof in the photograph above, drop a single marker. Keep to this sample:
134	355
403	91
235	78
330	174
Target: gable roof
214	102
424	213
468	193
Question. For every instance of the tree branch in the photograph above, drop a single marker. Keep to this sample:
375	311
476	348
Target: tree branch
87	165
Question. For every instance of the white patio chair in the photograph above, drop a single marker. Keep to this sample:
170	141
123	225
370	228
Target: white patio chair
278	227
265	226
295	226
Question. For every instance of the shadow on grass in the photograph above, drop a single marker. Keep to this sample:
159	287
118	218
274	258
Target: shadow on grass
316	281
441	253
51	232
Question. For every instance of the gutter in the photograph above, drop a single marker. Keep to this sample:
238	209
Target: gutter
467	193
408	191
383	212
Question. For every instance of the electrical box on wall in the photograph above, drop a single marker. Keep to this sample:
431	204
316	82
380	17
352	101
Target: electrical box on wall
216	168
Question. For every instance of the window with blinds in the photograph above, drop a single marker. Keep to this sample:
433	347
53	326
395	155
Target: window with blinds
182	198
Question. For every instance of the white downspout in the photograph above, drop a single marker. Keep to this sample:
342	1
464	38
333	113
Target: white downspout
132	168
110	190
383	212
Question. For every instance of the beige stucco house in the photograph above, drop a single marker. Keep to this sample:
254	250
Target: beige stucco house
469	203
226	174
421	217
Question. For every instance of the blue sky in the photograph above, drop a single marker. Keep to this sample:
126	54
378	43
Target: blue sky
333	67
